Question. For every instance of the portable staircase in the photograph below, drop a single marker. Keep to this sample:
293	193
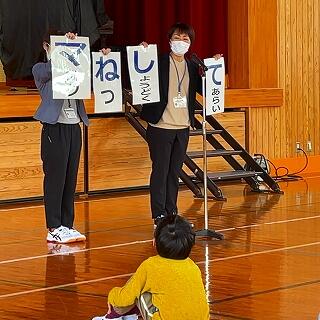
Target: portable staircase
238	172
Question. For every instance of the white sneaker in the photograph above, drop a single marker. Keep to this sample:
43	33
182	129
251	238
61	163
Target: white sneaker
104	318
77	235
130	317
60	235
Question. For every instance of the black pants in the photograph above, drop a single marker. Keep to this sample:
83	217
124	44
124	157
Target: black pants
167	152
60	154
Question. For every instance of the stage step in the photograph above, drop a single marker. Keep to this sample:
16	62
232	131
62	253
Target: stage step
213	153
230	175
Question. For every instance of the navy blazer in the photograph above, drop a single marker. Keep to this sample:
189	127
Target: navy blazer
50	109
152	112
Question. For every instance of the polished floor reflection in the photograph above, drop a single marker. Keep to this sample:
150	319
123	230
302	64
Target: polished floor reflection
268	266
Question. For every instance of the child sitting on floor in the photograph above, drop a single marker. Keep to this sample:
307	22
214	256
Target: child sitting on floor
167	286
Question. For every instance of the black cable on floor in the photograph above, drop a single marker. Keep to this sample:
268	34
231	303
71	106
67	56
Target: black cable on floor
289	176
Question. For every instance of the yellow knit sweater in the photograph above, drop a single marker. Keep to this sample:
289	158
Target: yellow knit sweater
176	287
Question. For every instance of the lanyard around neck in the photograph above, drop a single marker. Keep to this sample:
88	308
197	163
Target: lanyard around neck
184	73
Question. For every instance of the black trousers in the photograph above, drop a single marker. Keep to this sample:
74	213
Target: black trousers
167	152
60	154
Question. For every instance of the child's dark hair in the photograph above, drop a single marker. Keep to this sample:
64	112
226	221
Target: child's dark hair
174	238
182	28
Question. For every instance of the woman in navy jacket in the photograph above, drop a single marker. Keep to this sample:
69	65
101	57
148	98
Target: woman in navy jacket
169	120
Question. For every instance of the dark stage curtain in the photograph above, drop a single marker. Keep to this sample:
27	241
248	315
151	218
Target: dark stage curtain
20	34
149	20
23	23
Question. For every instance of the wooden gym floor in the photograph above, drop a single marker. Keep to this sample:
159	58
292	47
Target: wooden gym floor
267	268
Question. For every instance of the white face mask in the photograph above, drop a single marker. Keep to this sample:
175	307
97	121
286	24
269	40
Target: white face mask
48	55
179	47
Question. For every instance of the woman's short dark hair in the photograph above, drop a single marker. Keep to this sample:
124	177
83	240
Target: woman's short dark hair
182	28
52	32
174	238
46	38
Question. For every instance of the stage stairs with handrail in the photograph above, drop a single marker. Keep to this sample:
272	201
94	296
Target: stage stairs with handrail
256	177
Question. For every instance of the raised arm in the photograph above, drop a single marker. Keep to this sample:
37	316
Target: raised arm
42	72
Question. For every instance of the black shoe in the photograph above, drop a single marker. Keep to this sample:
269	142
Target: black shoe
157	220
173	213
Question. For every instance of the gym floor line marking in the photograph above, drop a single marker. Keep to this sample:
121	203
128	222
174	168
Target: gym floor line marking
270	223
78	201
130	274
76	251
150	240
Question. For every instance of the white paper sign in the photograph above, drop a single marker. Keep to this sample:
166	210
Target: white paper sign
143	71
70	60
215	82
107	82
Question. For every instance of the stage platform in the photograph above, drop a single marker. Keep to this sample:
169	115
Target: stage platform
22	102
115	157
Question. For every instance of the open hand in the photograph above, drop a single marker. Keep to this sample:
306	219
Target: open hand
218	56
71	35
109	308
143	43
105	51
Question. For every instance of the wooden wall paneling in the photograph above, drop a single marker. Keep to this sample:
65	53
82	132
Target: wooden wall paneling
316	83
302	120
262	43
262	136
119	157
275	114
20	166
256	30
280	145
25	103
253	97
19	104
267	127
270	128
313	73
287	120
261	130
283	51
293	69
298	38
238	44
262	52
311	106
284	66
234	122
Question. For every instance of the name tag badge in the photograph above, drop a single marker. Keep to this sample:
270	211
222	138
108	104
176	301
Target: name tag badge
70	113
180	101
